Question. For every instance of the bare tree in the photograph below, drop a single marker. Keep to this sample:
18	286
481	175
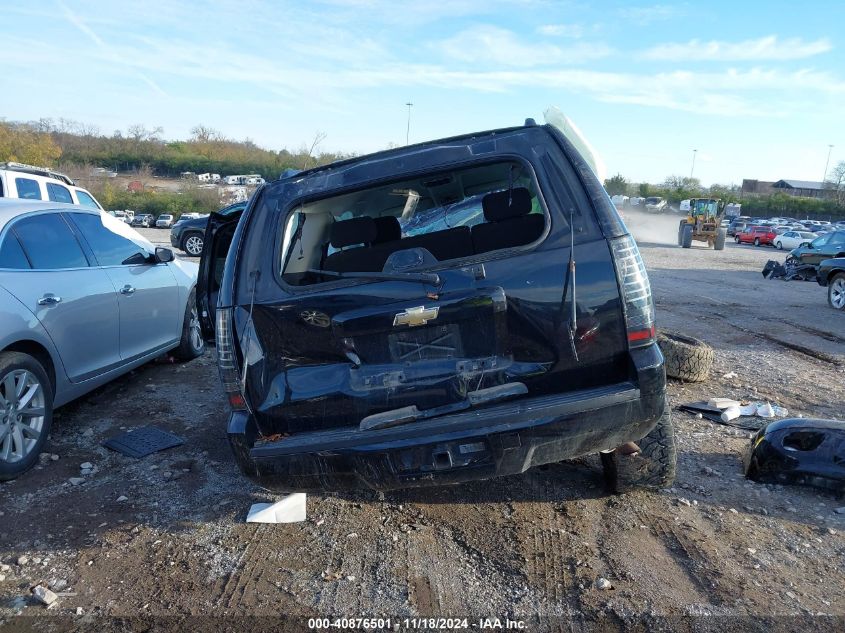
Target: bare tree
139	132
319	137
204	134
836	182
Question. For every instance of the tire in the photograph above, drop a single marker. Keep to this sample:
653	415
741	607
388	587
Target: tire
23	437
655	464
192	243
779	245
719	243
686	240
836	292
686	358
681	232
756	241
192	344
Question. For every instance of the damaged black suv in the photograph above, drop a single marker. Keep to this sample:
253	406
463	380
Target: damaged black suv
450	311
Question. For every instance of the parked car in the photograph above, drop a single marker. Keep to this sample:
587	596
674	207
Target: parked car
145	220
635	201
189	234
825	246
399	341
83	299
29	182
831	273
121	216
794	239
757	235
164	221
736	227
656	205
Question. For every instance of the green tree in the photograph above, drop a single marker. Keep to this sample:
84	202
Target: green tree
644	190
617	185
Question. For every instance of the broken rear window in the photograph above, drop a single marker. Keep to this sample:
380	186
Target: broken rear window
442	216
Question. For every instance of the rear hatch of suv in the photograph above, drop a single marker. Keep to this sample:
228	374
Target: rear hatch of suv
417	284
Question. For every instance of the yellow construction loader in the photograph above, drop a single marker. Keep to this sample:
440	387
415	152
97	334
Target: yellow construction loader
703	224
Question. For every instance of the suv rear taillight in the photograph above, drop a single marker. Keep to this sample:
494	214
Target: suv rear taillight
636	291
226	359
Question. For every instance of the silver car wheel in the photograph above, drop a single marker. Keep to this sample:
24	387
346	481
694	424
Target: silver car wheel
195	330
837	293
21	414
193	245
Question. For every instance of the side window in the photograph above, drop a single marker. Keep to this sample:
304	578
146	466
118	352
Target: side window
28	188
57	193
49	243
86	200
110	248
11	253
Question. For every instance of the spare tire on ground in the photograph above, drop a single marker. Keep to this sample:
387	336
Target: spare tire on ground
686	358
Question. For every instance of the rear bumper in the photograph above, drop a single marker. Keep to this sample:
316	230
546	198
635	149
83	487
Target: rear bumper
498	440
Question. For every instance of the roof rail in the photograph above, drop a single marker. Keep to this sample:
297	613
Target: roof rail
37	171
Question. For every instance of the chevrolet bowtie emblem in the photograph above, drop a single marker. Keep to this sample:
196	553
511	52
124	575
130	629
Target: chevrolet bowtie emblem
415	316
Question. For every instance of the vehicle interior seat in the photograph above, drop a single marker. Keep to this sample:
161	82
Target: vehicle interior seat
508	221
354	238
388	229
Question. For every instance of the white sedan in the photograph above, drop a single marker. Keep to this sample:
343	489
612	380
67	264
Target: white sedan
793	239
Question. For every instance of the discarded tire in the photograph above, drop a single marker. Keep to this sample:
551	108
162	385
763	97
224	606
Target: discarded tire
681	232
686	358
652	467
686	239
721	236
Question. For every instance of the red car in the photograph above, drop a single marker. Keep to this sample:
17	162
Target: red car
757	235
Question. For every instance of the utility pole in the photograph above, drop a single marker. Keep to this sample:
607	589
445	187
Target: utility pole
692	169
408	129
827	162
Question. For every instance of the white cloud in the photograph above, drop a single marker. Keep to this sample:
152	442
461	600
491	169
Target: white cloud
494	46
764	48
562	30
644	15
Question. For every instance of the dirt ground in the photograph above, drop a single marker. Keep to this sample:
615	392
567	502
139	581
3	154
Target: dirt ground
166	534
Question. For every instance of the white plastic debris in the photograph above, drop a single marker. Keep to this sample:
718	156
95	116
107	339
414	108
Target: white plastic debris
723	403
780	412
764	410
729	375
731	413
289	509
748	409
44	595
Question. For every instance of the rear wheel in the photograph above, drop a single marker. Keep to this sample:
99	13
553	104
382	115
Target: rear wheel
192	343
836	292
653	466
26	411
779	245
756	241
192	244
686	240
686	358
719	242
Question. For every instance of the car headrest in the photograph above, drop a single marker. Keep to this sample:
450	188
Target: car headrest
502	205
355	231
387	229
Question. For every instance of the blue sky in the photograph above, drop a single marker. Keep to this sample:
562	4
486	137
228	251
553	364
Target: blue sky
758	88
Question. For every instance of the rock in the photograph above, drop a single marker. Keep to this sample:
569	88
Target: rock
831	531
44	457
167	474
86	466
4	567
603	584
752	551
122	498
22	560
79	611
350	578
36	560
43	594
88	433
87	472
732	511
75	481
2	577
150	388
54	457
682	501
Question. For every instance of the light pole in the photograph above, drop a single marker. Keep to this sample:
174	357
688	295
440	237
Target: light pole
826	163
408	129
692	169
